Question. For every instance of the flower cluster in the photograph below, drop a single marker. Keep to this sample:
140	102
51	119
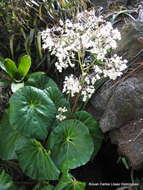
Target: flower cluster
86	33
114	67
71	85
61	112
72	40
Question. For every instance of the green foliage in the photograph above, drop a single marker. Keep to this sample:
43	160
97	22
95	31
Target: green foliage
17	74
67	182
6	182
43	146
10	139
69	141
41	81
31	112
22	22
36	162
93	127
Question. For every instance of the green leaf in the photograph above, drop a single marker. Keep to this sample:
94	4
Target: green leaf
16	86
43	186
45	83
76	185
40	81
2	61
10	67
58	98
24	65
71	144
64	181
67	182
31	112
93	127
48	187
34	74
36	163
6	182
10	139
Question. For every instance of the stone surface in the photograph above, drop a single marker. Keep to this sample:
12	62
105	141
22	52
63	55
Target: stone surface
129	139
100	100
131	43
119	108
107	3
119	103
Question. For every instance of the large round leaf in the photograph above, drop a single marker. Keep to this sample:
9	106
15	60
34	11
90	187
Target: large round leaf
45	83
36	163
10	139
58	98
41	81
93	127
31	112
71	144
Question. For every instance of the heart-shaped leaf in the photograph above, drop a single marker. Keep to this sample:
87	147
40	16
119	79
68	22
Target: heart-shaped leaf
93	127
24	65
36	163
10	139
31	112
71	144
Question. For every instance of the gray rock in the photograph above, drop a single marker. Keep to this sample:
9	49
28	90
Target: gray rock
132	40
120	103
129	139
119	109
106	3
100	100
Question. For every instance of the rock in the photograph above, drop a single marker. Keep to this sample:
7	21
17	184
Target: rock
100	3
129	139
123	102
100	100
119	108
106	3
132	41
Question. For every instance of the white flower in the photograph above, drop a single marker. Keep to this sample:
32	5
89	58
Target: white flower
63	110
74	39
87	92
60	116
85	33
72	85
114	67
